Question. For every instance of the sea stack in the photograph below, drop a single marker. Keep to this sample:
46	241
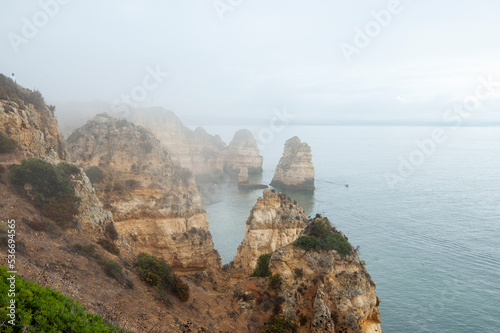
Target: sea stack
274	221
242	152
295	169
243	176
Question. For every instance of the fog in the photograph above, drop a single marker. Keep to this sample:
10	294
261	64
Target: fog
236	61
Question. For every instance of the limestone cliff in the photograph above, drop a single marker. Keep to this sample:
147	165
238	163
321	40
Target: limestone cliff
330	291
155	203
196	150
295	169
274	221
242	152
25	118
202	153
33	129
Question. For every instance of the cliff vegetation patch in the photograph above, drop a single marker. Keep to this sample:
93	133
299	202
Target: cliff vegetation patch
95	174
158	273
11	91
111	267
262	269
51	188
280	325
7	144
41	309
320	235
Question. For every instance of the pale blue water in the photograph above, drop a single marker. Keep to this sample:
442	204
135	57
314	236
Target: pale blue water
431	244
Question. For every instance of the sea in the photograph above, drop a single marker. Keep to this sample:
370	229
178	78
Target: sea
422	204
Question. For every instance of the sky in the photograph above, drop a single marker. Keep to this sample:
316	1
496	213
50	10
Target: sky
215	60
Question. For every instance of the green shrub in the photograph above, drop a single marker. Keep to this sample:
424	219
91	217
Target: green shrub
275	282
7	144
158	273
280	325
95	174
51	188
109	246
41	309
110	231
11	91
111	267
308	243
262	269
320	235
68	169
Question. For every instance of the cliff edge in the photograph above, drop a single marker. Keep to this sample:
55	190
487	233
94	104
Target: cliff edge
156	204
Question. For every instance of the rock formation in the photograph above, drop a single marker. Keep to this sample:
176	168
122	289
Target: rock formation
242	152
243	176
33	129
204	154
342	292
156	204
274	221
295	169
159	211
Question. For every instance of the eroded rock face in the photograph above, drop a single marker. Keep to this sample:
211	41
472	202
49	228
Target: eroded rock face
204	154
242	152
155	203
36	134
295	169
339	288
196	150
274	221
243	176
34	130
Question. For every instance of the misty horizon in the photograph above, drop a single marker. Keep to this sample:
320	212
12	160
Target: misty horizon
377	62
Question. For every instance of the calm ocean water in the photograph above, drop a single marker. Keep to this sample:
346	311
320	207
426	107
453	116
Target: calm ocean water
432	244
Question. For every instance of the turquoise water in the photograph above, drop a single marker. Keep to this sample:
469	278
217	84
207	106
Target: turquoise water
431	243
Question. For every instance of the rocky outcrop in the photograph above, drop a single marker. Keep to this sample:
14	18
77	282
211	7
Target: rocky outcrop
243	176
196	150
242	152
295	169
275	221
155	203
204	154
33	129
338	286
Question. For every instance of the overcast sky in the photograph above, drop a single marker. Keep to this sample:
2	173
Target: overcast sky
238	58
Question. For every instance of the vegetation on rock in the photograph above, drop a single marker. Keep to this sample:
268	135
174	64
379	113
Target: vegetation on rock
7	144
11	91
41	309
320	235
262	269
95	174
280	325
111	267
275	281
51	188
158	273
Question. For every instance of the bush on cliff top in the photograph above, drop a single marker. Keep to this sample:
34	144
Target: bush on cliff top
158	273
51	188
320	235
11	91
41	309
